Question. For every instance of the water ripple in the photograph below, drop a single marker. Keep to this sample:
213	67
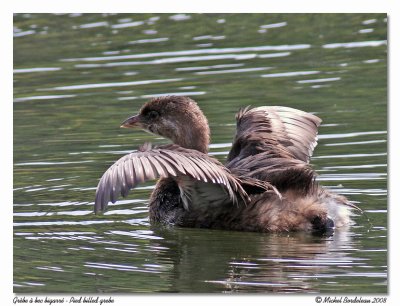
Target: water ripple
351	155
179	17
140	234
115	84
93	25
355	143
208	67
233	70
187	93
51	268
148	40
210	37
61	223
369	21
24	33
356	166
288	74
39	163
319	80
192	52
37	69
273	25
181	59
362	31
357	44
127	25
352	134
278	54
351	177
23	99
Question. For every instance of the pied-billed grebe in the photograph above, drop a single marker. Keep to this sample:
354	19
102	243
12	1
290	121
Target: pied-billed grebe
266	185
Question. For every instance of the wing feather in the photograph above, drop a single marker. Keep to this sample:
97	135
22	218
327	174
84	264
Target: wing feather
168	156
161	171
167	161
129	174
148	168
167	166
274	144
137	165
114	183
198	168
285	131
188	168
206	169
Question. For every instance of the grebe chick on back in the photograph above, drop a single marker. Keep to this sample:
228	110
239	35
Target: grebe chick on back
266	184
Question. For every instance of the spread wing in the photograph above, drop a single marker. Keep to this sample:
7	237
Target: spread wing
283	173
166	161
282	131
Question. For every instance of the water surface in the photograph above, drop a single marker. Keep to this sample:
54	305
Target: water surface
78	76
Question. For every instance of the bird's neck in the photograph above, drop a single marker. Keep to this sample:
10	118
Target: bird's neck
193	134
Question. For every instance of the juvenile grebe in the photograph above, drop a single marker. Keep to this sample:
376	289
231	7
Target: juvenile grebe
266	185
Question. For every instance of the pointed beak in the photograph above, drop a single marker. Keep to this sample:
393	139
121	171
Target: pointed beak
131	122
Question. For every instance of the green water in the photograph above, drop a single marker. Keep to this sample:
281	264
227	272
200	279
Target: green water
77	77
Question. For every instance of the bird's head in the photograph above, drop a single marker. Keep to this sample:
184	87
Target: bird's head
174	117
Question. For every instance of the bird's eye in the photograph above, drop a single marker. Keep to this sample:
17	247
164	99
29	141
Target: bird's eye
153	115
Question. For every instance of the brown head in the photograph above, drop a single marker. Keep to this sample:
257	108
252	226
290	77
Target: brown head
175	117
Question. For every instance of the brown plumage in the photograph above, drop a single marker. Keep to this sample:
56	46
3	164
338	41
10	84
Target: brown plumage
267	184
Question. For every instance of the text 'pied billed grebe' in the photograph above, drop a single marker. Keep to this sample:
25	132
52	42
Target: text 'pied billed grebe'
265	185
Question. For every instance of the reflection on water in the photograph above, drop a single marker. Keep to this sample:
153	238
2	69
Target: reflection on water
78	76
254	262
